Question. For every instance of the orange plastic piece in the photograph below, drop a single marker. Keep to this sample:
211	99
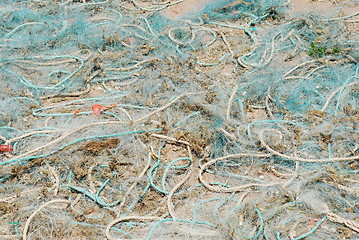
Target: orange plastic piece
112	106
130	41
97	109
313	221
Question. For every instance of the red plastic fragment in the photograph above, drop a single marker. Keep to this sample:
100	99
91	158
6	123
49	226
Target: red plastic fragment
6	148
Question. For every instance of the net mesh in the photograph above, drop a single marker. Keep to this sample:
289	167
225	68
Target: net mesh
179	119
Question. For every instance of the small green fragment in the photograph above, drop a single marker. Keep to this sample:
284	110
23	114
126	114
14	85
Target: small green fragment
319	51
335	50
316	51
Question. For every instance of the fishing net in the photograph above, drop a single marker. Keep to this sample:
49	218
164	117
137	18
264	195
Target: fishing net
134	119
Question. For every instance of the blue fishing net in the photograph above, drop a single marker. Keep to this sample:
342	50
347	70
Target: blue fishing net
162	120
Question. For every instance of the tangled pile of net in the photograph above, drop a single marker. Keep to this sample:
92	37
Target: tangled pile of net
236	121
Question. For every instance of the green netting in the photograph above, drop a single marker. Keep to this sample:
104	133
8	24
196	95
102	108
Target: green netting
156	119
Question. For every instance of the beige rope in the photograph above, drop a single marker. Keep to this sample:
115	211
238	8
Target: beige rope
24	234
350	224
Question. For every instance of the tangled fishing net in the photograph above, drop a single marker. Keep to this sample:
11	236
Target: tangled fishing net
130	119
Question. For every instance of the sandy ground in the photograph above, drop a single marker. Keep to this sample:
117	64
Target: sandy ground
184	8
65	196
